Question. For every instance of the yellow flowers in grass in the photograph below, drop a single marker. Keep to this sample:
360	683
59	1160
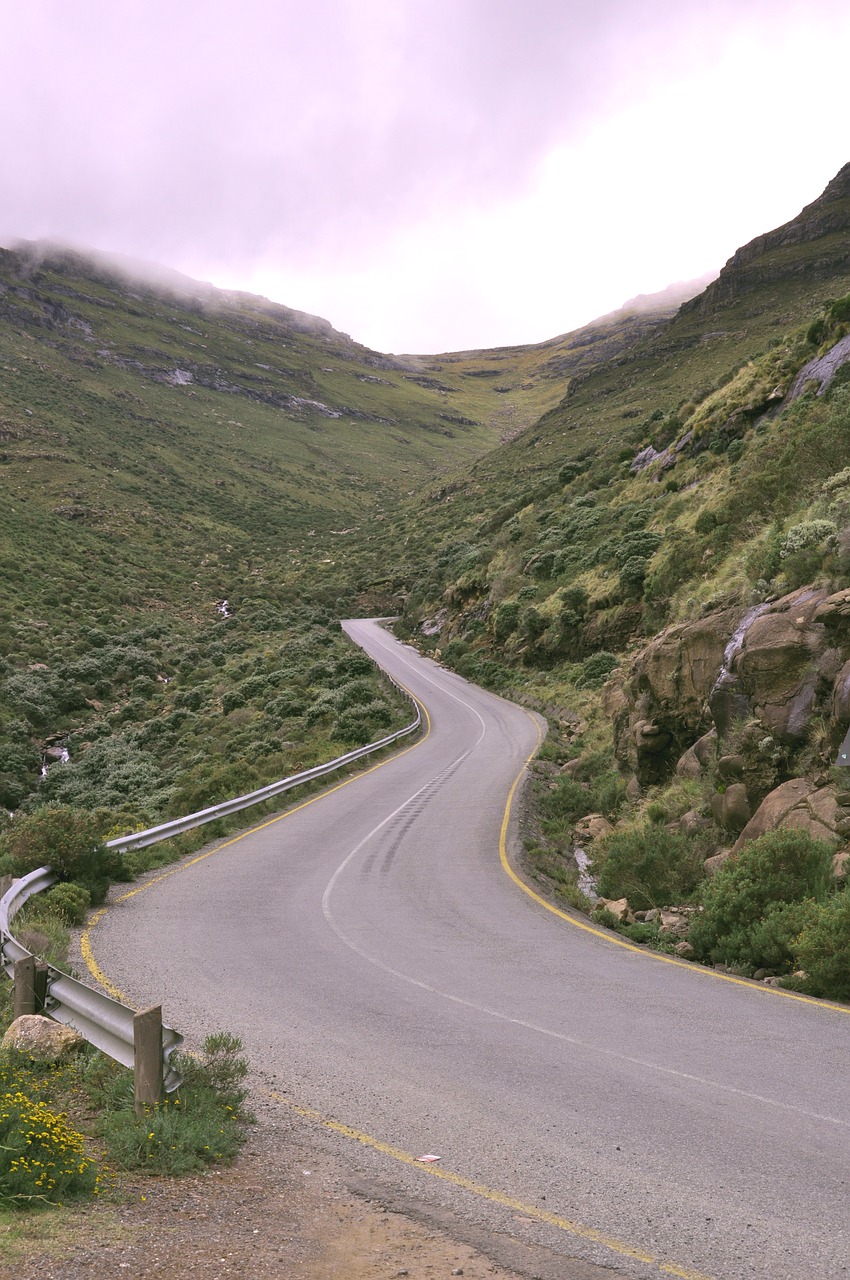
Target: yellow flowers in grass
41	1157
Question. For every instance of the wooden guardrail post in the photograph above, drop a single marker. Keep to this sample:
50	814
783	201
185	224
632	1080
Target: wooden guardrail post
147	1043
25	982
42	971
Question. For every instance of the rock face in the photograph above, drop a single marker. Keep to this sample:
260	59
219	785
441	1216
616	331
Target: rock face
771	256
777	665
42	1038
756	700
798	804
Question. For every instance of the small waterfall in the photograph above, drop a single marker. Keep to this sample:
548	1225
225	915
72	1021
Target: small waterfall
727	702
586	882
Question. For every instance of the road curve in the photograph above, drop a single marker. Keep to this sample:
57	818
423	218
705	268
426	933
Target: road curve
382	969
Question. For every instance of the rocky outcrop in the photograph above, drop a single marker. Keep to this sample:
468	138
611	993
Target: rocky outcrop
772	257
758	701
777	665
798	804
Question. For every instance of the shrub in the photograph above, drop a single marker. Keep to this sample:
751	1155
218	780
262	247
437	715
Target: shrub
810	533
765	943
641	544
533	623
361	724
70	901
505	619
742	921
822	947
67	840
595	670
633	573
232	701
202	1126
650	866
568	800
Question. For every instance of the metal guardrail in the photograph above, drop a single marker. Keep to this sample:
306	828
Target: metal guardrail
102	1021
177	826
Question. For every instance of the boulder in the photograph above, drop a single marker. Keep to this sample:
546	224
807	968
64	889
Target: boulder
672	922
634	791
592	826
618	907
713	864
731	808
796	804
730	768
684	949
839	706
778	664
42	1038
688	765
692	822
705	748
839	864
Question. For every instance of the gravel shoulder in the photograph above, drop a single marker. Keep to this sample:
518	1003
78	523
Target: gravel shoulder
285	1208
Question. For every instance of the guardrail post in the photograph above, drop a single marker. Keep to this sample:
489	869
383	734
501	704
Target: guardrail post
147	1042
42	971
25	987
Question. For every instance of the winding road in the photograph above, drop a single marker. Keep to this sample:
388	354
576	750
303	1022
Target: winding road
389	975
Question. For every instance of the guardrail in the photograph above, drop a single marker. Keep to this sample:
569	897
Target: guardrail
134	1038
106	1023
177	826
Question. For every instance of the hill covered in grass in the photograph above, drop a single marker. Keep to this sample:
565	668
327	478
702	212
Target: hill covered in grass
675	533
642	527
192	475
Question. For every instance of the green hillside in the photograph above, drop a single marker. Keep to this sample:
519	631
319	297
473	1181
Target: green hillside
661	563
714	377
167	447
657	506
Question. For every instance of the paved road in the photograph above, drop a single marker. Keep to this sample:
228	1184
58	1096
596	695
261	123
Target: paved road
377	960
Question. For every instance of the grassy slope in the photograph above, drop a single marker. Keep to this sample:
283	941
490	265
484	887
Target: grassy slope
617	406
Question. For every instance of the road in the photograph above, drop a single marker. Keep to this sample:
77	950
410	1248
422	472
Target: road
384	970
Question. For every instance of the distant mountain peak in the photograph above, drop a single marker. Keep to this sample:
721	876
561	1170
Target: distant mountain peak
823	226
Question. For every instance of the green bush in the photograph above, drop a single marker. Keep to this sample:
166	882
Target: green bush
533	623
744	920
568	801
822	947
203	1125
505	619
70	901
595	670
67	840
650	866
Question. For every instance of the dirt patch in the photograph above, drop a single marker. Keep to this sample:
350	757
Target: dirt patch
283	1211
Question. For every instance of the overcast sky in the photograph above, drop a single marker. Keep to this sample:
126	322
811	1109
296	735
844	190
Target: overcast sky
428	175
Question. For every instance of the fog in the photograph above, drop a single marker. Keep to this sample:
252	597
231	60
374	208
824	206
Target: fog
426	174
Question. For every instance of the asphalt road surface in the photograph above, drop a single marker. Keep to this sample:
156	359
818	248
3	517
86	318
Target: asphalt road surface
386	972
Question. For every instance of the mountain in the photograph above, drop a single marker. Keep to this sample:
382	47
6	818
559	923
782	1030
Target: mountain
176	458
662	563
197	483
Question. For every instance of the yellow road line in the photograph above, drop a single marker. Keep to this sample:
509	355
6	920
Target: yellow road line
616	941
492	1194
489	1193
